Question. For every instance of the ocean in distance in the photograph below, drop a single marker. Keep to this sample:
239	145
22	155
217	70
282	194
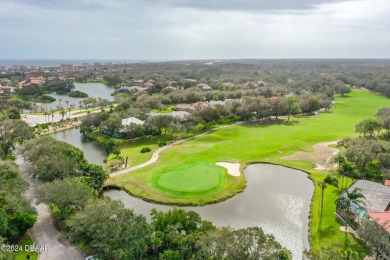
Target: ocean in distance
57	62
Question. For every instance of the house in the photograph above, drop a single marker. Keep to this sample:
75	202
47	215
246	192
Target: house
136	88
177	114
204	87
383	220
377	199
149	84
7	90
376	208
213	103
132	120
125	122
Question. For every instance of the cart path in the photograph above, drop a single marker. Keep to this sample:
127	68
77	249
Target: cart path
159	150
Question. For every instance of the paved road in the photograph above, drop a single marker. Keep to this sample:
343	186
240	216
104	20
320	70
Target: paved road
44	231
33	120
158	151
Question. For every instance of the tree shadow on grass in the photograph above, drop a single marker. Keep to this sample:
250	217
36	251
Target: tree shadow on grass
269	122
328	232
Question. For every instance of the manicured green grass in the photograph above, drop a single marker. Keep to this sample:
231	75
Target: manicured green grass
22	255
169	109
194	180
265	142
131	149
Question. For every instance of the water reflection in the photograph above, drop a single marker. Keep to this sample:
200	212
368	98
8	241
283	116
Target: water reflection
276	198
94	152
96	90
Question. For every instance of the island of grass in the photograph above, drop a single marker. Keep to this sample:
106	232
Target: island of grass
46	99
165	180
78	94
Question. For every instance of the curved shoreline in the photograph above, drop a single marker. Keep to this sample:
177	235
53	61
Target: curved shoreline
156	153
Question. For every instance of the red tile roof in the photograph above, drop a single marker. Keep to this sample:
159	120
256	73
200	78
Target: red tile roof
387	182
382	218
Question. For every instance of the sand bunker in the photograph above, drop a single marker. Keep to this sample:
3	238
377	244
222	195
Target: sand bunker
322	157
232	168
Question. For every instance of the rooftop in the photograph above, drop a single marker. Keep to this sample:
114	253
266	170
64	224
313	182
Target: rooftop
132	120
377	195
382	218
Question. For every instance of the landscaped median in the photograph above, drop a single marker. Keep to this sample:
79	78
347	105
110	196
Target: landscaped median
180	175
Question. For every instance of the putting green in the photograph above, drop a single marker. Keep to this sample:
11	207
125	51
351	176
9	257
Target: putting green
195	180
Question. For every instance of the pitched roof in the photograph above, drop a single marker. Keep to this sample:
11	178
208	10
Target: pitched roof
132	120
377	195
382	218
387	182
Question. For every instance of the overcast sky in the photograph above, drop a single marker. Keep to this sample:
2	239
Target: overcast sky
194	29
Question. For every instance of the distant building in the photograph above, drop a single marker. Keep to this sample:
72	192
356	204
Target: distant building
204	87
132	120
216	102
182	115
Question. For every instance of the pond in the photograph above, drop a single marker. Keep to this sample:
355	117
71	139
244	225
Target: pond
94	152
276	199
96	90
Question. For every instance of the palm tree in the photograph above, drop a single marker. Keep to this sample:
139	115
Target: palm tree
332	180
346	169
67	106
45	113
322	186
355	197
63	113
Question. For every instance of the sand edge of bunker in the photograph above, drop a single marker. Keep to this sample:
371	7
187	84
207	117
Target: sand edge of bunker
321	157
232	168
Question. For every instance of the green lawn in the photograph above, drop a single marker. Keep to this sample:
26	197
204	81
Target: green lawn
194	180
265	142
131	149
169	109
22	255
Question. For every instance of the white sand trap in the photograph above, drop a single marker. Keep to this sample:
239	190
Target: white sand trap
232	168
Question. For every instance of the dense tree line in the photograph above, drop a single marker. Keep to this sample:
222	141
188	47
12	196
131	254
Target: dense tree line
53	160
16	214
114	232
368	156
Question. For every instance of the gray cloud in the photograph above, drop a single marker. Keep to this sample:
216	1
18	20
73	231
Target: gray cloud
246	5
183	29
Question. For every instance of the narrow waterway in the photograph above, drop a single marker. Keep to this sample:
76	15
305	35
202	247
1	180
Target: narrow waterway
94	152
276	199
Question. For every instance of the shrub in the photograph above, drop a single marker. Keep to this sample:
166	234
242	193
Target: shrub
162	143
145	150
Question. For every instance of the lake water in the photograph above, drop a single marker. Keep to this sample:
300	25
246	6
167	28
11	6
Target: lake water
94	152
96	90
276	198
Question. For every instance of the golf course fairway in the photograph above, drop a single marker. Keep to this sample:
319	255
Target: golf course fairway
186	174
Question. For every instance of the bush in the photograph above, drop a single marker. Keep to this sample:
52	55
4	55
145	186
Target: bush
162	143
46	99
78	94
146	150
